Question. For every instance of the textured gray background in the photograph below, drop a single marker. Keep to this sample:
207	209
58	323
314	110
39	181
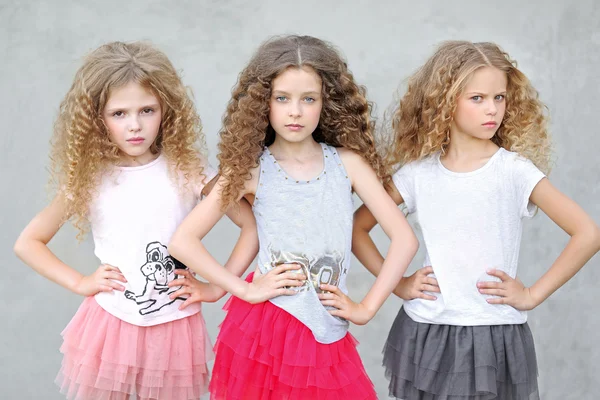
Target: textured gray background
556	43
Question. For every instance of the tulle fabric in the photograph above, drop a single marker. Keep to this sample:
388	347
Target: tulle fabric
106	358
445	362
263	353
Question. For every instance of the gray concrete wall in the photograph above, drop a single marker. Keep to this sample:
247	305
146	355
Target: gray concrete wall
556	43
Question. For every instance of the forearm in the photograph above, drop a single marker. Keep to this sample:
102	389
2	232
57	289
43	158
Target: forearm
579	250
191	252
39	257
400	254
242	255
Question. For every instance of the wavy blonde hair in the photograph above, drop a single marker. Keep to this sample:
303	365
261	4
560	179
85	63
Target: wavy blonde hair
345	119
421	122
81	149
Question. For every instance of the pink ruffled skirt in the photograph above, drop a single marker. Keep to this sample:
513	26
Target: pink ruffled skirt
106	358
264	353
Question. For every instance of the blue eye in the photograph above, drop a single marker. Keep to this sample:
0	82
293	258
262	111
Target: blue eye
476	98
309	99
281	98
500	97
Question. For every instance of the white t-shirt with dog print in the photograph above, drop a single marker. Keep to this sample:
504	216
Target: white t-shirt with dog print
133	216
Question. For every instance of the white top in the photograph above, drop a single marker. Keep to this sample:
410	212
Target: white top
133	217
471	222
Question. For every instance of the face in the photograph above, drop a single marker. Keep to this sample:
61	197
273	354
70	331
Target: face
132	115
295	104
481	106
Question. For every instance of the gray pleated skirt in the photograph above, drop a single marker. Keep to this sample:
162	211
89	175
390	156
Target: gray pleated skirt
445	362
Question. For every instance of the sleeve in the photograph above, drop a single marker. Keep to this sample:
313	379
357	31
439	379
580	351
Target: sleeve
404	181
525	178
209	172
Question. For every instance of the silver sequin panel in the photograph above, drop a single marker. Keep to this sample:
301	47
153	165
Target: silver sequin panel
325	270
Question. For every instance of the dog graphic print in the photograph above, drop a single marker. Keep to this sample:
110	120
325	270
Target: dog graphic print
159	270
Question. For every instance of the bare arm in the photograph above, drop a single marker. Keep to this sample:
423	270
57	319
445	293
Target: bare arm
403	246
584	242
187	247
246	248
363	246
31	247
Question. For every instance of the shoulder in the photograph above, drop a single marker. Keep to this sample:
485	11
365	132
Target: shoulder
417	165
349	156
515	162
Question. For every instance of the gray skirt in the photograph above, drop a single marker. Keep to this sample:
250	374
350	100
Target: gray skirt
445	362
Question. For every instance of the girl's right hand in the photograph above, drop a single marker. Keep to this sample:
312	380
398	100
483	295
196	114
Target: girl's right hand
276	282
414	286
102	280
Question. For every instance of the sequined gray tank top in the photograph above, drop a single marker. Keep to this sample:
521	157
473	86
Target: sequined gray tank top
308	223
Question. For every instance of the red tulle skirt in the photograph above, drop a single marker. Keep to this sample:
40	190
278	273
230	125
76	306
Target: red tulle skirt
263	352
106	358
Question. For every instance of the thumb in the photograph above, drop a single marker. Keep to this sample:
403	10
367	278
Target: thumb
427	270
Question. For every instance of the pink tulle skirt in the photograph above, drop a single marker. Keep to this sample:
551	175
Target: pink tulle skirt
263	352
106	358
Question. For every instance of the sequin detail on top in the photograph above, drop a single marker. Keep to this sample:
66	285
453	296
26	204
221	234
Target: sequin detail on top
308	222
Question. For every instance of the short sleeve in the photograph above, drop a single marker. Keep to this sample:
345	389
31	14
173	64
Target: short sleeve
209	172
404	181
525	178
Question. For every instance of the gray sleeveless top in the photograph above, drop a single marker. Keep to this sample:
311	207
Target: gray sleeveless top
308	223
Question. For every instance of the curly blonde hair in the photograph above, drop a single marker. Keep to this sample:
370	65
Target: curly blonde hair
345	119
422	120
81	149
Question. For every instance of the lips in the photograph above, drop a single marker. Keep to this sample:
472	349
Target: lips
490	124
297	126
135	140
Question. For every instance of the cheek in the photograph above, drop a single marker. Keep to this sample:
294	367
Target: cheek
502	109
315	113
113	128
277	113
469	112
156	122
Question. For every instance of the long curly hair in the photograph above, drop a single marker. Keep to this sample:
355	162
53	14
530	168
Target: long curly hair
422	120
81	151
345	119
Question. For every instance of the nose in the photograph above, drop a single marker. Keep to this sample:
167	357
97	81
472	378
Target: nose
492	108
134	124
295	109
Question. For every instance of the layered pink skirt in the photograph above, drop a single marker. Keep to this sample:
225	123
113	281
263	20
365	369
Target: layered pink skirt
106	358
263	352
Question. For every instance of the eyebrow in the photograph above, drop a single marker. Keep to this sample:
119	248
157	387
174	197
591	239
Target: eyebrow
304	93
483	93
153	105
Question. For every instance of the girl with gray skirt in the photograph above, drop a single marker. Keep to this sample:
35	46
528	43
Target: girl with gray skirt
470	155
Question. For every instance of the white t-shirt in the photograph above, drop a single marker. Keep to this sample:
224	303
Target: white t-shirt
471	222
133	217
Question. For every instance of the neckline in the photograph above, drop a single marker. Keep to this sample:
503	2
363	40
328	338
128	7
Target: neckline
469	173
280	170
141	167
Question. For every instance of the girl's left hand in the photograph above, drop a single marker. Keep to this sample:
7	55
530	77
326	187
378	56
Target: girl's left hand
509	291
345	307
197	291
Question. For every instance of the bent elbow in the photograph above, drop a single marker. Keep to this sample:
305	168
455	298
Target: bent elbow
19	248
596	238
174	246
413	244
